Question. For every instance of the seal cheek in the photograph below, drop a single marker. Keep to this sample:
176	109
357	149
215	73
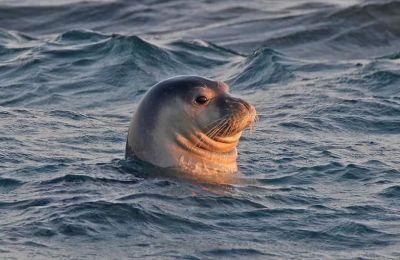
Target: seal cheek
208	116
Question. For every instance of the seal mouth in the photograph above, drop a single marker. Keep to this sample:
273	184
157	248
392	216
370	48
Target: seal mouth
239	115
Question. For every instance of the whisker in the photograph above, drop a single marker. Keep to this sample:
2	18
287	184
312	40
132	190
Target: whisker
220	123
214	130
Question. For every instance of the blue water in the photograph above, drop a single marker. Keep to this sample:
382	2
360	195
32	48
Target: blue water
320	172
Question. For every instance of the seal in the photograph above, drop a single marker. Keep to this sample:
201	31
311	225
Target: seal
189	123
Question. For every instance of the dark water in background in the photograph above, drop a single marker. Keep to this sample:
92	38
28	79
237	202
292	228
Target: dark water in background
322	167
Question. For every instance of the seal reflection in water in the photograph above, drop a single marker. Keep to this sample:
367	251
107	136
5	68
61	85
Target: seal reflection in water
191	124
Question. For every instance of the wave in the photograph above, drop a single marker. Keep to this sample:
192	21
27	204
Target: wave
355	31
74	178
9	184
73	65
264	66
392	192
329	30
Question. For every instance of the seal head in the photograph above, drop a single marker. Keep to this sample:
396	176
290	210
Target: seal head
190	123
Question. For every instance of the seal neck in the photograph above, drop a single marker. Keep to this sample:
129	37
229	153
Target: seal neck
193	146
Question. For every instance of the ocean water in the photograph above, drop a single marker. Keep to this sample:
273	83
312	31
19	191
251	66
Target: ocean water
320	171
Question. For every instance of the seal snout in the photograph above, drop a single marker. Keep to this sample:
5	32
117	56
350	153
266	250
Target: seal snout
247	115
246	110
238	113
234	101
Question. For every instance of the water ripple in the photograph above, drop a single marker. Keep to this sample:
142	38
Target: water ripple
319	174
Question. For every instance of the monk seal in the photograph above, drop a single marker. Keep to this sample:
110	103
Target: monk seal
189	123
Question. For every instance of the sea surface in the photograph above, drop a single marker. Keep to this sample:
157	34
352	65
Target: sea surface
320	171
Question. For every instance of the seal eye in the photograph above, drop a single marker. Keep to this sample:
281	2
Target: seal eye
201	100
